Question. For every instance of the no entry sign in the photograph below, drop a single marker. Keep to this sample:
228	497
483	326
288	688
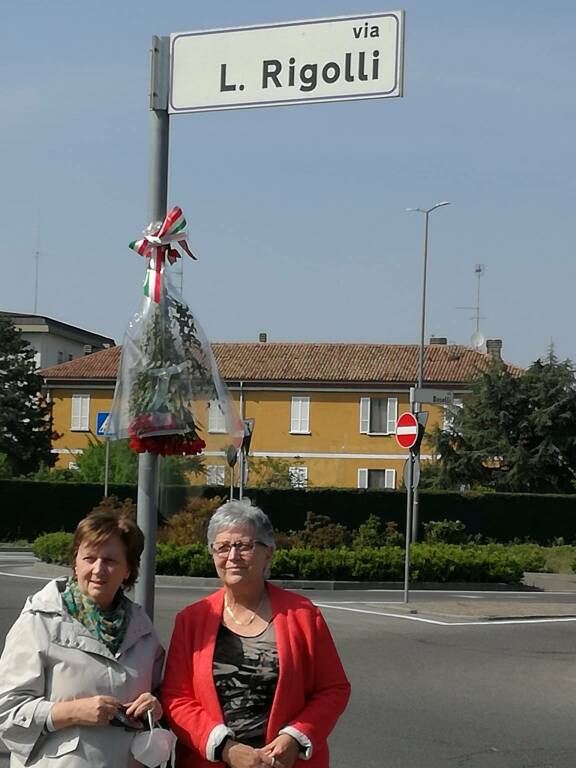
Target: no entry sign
406	430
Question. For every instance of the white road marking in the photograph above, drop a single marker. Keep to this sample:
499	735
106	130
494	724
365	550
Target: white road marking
24	576
482	623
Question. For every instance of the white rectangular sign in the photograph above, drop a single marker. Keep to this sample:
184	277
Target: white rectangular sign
344	58
434	396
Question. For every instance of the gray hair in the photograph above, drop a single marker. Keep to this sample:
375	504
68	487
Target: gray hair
241	513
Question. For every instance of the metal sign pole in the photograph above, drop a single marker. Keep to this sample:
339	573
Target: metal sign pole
106	465
409	491
147	503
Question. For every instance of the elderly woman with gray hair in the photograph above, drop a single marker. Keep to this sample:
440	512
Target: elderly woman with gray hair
253	677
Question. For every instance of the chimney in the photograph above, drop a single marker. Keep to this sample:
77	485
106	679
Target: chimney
87	349
494	348
439	340
263	338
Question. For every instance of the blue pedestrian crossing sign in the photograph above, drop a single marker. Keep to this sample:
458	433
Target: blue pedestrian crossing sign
102	427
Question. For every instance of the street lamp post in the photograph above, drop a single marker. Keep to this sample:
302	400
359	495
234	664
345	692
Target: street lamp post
426	212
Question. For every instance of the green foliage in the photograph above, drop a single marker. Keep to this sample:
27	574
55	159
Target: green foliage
25	417
445	531
5	467
54	548
190	525
514	433
320	531
429	562
185	560
372	534
270	472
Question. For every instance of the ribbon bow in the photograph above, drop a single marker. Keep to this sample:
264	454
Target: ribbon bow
157	246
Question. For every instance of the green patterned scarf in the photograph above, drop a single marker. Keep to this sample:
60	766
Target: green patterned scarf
108	626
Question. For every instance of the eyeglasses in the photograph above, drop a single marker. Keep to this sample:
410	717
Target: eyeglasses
243	548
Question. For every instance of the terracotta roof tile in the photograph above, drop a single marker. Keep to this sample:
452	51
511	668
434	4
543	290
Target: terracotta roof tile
310	363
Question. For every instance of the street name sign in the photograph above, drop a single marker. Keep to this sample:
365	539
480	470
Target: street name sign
406	430
434	396
335	59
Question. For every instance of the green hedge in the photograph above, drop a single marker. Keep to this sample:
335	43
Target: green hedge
31	508
54	548
429	562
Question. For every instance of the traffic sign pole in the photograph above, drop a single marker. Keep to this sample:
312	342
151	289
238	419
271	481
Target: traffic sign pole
147	501
408	528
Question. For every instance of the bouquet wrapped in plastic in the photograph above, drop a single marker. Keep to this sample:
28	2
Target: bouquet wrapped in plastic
168	388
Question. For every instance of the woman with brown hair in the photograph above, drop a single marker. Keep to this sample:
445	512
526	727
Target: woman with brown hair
82	657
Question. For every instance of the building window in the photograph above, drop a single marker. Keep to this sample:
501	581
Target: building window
378	415
300	416
216	419
80	413
376	478
215	474
298	476
72	465
60	356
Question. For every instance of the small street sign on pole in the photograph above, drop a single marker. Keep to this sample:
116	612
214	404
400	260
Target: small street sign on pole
432	396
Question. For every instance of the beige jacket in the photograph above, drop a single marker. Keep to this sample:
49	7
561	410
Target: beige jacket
51	657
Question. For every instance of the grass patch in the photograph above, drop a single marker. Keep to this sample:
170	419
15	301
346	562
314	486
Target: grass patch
559	559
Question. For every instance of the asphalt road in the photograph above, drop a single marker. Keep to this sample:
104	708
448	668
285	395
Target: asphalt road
430	689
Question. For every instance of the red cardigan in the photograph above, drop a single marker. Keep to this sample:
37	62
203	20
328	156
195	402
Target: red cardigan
312	690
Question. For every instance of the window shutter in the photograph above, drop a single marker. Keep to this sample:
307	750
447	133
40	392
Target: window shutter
390	479
362	478
392	415
304	414
364	420
85	420
76	412
300	414
216	420
80	413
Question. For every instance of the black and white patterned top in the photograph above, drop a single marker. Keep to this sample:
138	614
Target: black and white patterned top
245	672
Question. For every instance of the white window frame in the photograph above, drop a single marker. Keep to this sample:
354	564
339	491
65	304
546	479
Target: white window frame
215	474
216	418
80	418
389	477
298	476
300	415
391	415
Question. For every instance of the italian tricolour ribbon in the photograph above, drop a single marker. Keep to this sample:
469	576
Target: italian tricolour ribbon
157	246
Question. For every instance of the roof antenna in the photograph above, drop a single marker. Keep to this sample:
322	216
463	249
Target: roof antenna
477	339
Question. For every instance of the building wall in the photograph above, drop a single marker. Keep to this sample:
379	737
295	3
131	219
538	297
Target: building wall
53	349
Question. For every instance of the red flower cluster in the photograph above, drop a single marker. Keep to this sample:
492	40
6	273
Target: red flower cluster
162	445
168	445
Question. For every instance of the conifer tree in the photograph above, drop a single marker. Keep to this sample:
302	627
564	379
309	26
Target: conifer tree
25	417
514	433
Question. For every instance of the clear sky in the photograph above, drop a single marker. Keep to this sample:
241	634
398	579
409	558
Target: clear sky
298	213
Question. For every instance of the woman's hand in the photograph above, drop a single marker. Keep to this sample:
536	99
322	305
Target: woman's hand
283	749
93	710
239	755
141	705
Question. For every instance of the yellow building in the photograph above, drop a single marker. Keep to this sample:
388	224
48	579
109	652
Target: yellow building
329	408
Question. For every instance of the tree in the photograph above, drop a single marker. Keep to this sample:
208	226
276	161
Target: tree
270	472
514	433
25	417
123	465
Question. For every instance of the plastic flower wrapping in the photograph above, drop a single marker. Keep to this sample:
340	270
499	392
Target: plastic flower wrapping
169	394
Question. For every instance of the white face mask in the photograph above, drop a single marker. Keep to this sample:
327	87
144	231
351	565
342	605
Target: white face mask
153	747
